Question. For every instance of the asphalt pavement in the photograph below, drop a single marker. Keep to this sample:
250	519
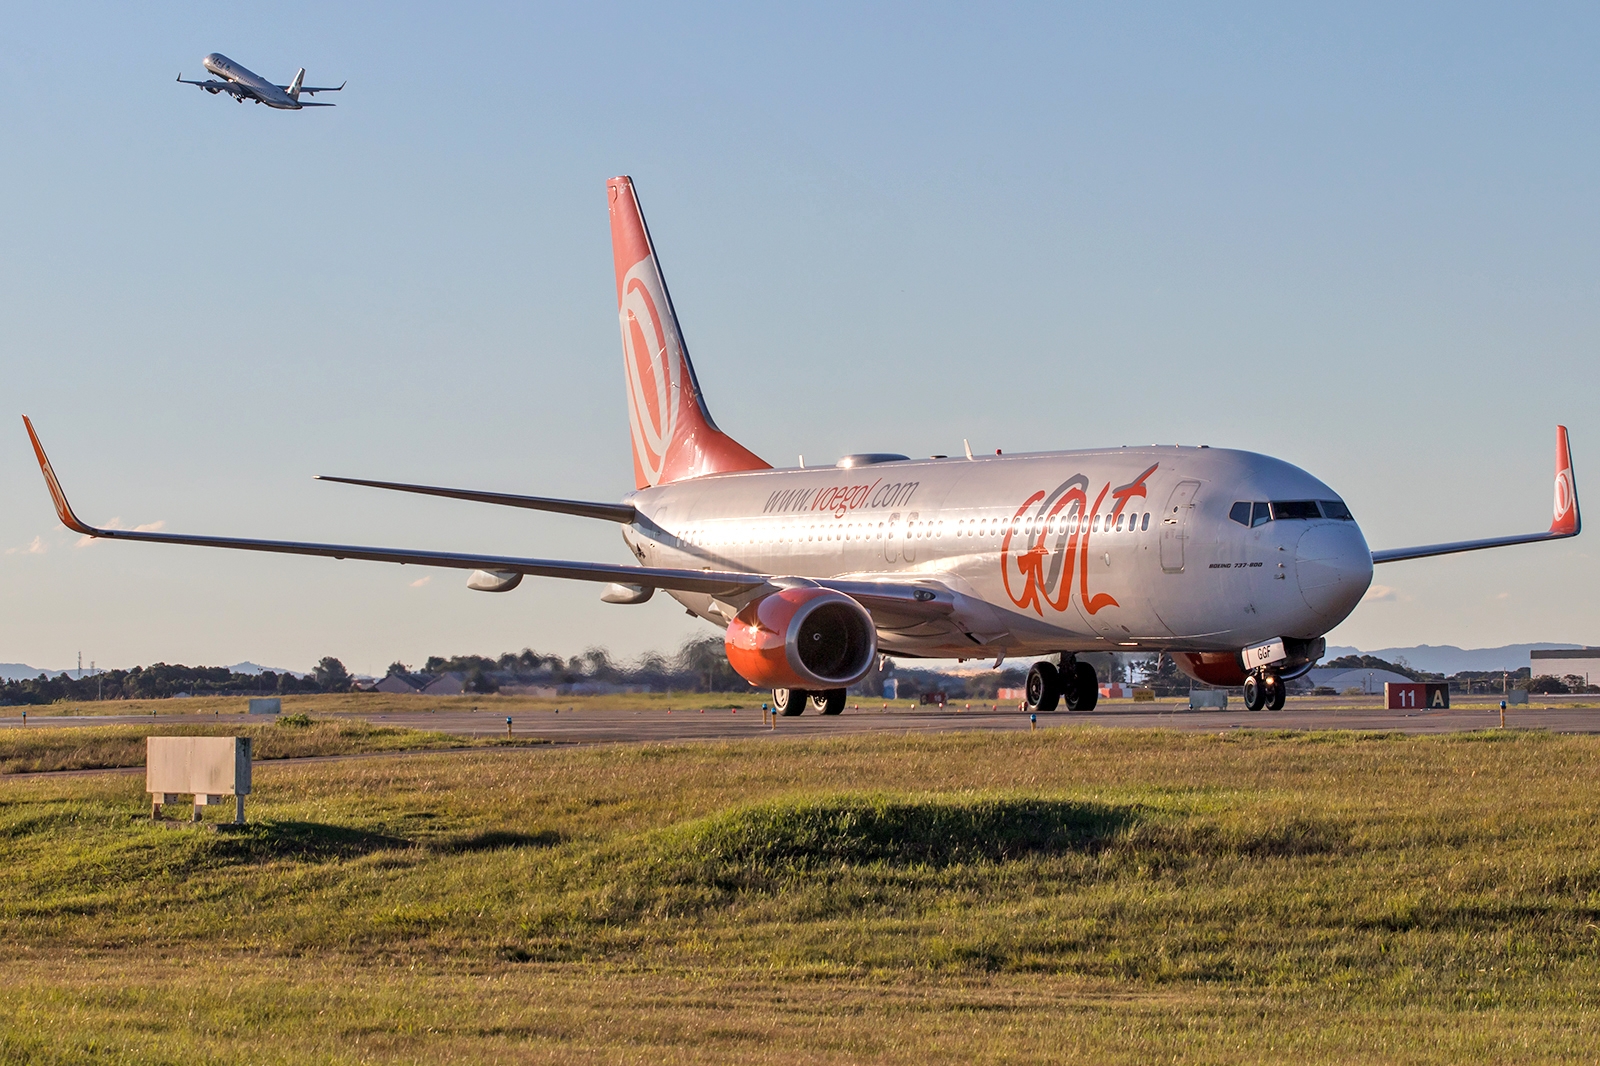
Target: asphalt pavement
598	725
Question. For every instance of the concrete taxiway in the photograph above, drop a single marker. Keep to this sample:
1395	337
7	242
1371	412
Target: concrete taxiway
718	721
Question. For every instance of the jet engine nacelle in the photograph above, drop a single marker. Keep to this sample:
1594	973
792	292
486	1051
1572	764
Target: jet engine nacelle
809	638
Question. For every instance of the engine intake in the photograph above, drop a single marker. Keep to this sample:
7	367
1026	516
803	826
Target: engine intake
802	638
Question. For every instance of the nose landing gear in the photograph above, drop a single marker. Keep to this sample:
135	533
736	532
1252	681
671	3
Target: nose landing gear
1264	690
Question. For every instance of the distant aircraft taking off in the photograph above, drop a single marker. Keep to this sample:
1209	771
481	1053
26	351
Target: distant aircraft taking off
245	85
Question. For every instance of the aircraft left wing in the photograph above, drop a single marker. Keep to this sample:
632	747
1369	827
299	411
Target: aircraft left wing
1566	523
215	86
717	583
610	512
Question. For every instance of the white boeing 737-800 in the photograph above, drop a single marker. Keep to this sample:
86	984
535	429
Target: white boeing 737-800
1233	563
245	85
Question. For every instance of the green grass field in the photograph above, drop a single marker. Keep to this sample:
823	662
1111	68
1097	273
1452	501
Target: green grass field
1068	895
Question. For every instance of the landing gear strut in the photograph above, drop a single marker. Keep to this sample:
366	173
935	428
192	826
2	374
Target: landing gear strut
1048	684
1264	690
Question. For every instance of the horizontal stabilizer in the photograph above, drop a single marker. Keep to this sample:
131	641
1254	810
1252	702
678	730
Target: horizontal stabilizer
1566	521
610	512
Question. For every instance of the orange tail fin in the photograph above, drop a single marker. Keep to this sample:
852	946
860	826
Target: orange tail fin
674	437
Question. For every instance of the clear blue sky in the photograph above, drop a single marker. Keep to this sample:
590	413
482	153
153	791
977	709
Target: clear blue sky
1362	239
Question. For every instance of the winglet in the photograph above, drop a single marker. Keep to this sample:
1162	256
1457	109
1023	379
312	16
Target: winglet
1567	521
63	508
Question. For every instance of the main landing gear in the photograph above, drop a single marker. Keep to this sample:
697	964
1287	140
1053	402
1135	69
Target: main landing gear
1048	684
1264	690
792	701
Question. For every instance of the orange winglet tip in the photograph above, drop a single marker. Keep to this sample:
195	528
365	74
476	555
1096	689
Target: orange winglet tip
63	508
1567	521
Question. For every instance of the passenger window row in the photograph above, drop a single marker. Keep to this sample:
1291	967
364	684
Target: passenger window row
980	527
917	530
1260	513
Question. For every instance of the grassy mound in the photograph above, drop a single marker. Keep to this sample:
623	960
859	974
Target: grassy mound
802	835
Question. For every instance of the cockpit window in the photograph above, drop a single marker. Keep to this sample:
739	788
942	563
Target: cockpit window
1240	513
1282	509
1263	514
1336	509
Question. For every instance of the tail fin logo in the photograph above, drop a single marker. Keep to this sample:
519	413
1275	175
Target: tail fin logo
1563	494
654	366
1566	490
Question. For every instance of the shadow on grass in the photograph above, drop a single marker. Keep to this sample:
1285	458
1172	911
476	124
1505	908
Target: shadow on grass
496	840
318	841
303	841
900	832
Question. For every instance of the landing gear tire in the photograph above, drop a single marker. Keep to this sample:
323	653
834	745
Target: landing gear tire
828	701
1255	693
1084	691
1276	692
1044	688
789	701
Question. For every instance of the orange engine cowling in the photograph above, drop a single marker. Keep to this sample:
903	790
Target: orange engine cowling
1221	668
802	638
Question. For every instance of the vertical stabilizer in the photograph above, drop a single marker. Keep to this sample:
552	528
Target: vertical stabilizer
674	437
294	86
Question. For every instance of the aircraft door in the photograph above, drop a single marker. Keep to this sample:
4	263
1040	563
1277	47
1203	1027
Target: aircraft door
890	549
910	549
1175	525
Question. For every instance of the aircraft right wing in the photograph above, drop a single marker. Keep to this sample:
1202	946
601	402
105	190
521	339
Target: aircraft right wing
909	606
715	582
1566	523
314	90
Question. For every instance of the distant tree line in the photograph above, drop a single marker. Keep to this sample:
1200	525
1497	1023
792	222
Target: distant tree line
163	681
699	665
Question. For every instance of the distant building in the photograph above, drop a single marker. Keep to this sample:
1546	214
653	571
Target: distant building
1563	662
397	684
1341	680
451	684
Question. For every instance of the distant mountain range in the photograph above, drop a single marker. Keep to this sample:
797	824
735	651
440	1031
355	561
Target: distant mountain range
1449	659
23	672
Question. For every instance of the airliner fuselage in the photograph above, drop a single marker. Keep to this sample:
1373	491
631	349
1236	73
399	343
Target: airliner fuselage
1121	550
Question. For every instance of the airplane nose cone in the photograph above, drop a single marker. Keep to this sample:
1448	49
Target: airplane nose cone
1334	566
